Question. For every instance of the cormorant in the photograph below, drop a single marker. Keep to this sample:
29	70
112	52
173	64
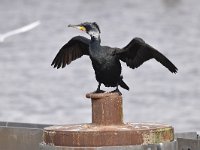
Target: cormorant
105	59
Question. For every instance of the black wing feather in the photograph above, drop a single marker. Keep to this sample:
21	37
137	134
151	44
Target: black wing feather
75	48
137	52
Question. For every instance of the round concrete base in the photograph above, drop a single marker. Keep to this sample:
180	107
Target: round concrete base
92	135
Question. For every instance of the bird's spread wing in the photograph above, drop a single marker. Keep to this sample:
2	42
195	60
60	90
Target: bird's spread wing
137	52
75	48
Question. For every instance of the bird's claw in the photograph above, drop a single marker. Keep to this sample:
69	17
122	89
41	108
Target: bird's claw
99	91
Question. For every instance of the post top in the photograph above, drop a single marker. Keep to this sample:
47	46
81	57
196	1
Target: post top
94	95
139	127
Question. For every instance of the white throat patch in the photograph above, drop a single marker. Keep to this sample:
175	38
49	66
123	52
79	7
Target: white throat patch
94	34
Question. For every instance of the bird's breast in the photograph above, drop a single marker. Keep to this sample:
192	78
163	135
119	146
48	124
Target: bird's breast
102	58
97	55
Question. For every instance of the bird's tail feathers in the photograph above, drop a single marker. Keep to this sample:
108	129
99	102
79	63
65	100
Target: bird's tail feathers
123	84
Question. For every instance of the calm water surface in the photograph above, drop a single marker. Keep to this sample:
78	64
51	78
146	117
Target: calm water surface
32	91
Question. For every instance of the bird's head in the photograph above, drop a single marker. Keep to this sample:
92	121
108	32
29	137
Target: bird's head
90	28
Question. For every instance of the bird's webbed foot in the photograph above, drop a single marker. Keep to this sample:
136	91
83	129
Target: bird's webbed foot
99	90
116	91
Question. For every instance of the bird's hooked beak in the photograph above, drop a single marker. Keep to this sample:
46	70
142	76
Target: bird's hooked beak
80	27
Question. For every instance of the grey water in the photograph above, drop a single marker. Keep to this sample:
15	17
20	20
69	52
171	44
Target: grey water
34	92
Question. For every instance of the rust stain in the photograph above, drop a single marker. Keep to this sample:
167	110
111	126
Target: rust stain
107	127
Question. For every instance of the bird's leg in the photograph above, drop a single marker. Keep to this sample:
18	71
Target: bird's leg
99	89
117	91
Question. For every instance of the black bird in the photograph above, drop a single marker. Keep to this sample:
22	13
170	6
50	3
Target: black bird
105	59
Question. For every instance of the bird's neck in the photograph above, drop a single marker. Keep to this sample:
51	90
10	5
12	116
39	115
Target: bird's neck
95	39
95	36
95	44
